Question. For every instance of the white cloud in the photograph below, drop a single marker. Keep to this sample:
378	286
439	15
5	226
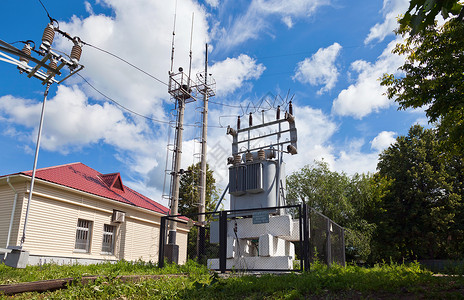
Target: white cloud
88	8
320	68
255	20
288	21
356	161
391	10
366	95
213	3
71	122
315	132
383	140
232	72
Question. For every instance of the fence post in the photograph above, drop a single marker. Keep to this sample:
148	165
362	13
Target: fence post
162	240
222	241
343	246
328	245
305	248
201	243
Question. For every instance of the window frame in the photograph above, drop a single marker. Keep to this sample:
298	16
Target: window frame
107	234
83	238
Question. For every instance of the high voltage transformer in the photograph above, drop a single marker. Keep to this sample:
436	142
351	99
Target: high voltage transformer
260	233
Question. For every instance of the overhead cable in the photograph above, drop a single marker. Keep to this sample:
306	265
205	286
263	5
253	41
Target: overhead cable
134	112
120	105
127	62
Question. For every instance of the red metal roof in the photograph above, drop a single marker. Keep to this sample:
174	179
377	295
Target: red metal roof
83	178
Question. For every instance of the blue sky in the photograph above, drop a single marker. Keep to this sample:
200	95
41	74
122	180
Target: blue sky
327	54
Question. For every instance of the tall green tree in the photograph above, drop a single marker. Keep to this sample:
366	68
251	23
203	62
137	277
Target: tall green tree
188	205
433	78
189	190
346	200
418	211
322	189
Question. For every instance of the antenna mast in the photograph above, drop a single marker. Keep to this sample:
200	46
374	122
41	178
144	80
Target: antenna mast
173	37
190	54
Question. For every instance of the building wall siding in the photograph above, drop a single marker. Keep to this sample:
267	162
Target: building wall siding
52	227
6	205
142	241
182	240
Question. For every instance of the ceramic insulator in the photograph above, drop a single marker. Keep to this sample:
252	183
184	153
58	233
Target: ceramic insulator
48	35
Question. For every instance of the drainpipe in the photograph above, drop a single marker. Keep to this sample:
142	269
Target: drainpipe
12	211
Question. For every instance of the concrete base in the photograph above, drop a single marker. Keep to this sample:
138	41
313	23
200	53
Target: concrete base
35	260
255	263
17	258
281	226
38	260
274	246
171	252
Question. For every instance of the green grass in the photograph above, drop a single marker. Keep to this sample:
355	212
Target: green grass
52	271
380	281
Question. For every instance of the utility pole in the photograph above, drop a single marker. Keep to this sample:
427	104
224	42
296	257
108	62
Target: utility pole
207	87
181	88
204	137
46	69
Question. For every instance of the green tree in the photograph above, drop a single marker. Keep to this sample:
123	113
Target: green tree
189	190
433	78
322	189
346	200
418	210
422	13
188	205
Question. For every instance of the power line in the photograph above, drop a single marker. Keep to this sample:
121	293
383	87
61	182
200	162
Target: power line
134	112
223	104
120	105
51	19
127	62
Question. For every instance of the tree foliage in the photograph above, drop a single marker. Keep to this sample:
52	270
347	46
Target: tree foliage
418	213
422	13
188	205
412	208
346	200
433	78
322	189
189	190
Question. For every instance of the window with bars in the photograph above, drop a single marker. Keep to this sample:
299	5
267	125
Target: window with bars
108	239
83	235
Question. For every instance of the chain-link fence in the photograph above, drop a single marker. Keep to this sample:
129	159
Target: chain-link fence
327	239
271	239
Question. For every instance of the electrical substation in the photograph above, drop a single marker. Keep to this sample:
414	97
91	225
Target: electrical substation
261	231
260	234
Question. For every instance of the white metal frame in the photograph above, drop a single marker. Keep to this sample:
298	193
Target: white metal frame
83	236
108	240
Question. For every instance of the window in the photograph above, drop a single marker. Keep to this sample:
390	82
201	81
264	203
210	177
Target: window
83	235
108	239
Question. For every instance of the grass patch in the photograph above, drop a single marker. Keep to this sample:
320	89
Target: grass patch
380	281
